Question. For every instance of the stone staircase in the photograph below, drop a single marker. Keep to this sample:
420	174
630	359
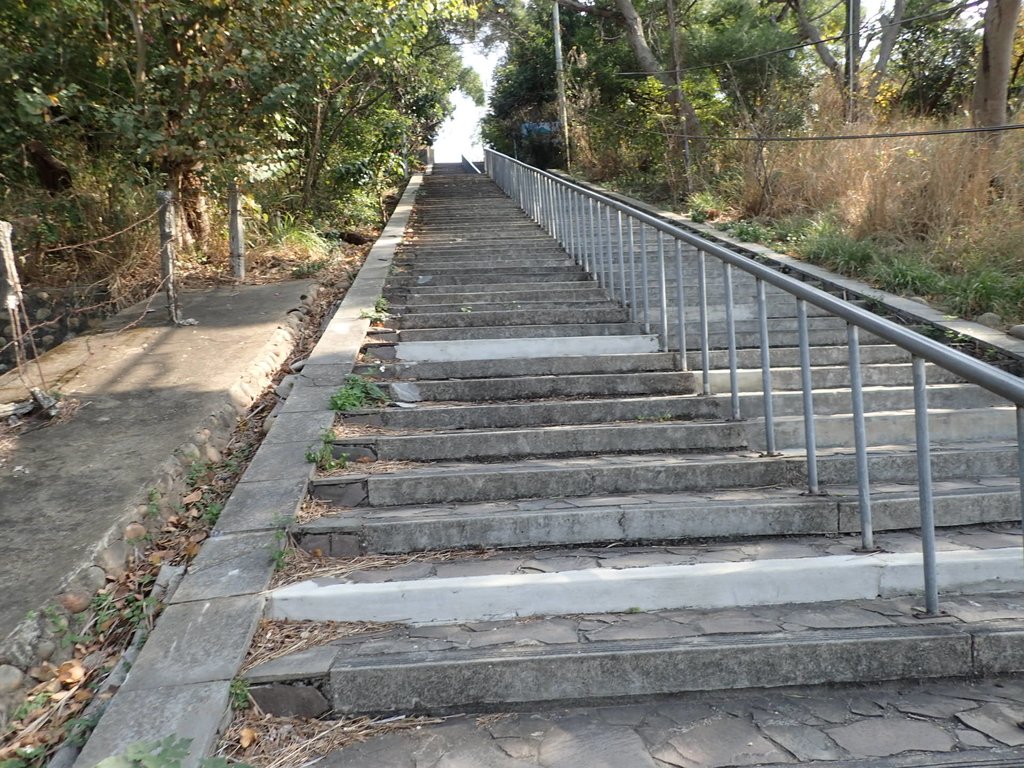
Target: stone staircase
561	516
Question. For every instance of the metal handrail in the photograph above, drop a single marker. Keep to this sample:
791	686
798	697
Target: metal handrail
582	220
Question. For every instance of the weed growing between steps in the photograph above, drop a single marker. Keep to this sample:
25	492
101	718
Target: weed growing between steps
68	696
358	393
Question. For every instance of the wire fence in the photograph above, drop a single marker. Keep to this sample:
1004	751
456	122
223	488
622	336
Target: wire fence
27	333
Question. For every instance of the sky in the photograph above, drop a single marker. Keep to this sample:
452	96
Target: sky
460	134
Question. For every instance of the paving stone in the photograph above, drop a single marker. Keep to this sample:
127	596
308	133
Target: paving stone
842	617
641	627
531	633
520	749
930	705
829	710
729	626
554	565
1001	722
302	665
883	738
192	712
392	750
261	505
476	754
400	573
579	743
483	567
229	565
279	461
290	700
968	737
804	742
197	642
726	741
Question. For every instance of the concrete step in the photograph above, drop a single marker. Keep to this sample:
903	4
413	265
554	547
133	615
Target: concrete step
531	387
518	349
481	263
562	330
876	399
556	270
455	278
474	319
534	293
942	397
528	286
829	377
649	473
575	440
540	412
589	658
537	305
532	366
648	517
891	427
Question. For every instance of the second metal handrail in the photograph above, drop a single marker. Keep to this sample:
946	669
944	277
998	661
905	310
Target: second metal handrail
599	231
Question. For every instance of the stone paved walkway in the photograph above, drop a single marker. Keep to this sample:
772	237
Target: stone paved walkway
891	725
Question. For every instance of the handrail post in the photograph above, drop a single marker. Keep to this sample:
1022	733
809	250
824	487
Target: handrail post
705	343
807	385
924	487
730	326
681	306
867	536
766	372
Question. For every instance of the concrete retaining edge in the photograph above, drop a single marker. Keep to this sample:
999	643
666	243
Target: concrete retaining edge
654	588
182	679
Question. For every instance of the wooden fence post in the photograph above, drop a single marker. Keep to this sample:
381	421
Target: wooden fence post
167	271
236	233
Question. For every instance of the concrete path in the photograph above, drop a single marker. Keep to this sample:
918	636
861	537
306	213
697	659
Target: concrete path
143	393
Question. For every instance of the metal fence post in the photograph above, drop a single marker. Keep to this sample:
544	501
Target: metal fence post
167	271
236	232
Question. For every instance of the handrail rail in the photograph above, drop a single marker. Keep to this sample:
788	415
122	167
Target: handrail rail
976	371
582	220
470	166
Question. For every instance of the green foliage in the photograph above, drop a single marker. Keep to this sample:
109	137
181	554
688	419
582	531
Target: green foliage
357	393
704	206
379	313
323	454
826	244
239	693
906	275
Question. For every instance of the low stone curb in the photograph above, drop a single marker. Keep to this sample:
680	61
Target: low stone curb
180	685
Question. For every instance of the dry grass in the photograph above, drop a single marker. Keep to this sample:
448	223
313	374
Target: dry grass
300	565
370	468
264	741
275	639
312	509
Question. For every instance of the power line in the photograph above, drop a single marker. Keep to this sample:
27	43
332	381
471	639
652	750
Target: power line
835	38
837	137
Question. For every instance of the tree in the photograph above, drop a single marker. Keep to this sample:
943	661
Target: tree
989	105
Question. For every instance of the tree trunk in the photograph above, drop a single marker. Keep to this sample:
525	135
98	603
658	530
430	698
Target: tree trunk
990	87
890	34
649	63
193	225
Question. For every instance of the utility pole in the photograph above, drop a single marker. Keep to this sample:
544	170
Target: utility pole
852	57
563	111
